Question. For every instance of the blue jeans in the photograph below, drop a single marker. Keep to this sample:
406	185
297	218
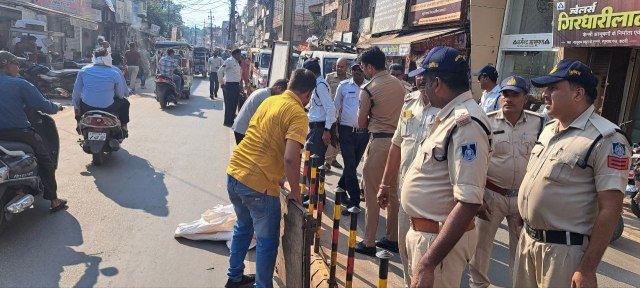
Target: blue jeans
259	212
352	146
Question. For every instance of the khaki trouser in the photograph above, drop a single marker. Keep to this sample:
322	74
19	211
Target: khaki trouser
540	264
501	207
133	75
449	272
374	163
332	153
403	227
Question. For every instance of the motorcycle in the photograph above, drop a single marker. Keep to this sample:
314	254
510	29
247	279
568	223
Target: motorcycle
49	81
19	179
102	133
166	91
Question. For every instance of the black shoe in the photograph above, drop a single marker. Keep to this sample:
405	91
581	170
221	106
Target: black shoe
246	281
345	211
211	96
336	164
363	249
384	243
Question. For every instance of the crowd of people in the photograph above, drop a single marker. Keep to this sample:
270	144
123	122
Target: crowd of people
447	169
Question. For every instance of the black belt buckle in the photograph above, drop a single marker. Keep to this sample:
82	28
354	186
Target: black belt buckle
534	233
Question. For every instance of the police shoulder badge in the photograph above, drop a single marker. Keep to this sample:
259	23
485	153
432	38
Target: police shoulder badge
619	159
618	149
469	151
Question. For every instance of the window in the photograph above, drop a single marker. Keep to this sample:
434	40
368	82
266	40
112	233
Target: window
265	61
346	7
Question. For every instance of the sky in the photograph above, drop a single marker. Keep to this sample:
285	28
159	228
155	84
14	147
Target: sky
196	11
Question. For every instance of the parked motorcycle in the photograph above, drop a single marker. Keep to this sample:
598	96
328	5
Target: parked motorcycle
102	134
49	81
166	91
19	179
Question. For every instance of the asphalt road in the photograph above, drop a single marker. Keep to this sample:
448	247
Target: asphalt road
118	230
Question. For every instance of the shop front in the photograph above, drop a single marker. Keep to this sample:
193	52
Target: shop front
605	34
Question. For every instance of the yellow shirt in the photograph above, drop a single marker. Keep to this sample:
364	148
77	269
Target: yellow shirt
258	162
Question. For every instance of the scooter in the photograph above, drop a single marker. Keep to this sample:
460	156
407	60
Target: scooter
19	179
166	90
102	134
49	81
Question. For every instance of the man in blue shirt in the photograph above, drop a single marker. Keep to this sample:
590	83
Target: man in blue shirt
321	113
101	87
17	95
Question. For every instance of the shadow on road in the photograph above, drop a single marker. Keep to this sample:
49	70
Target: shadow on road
131	182
37	247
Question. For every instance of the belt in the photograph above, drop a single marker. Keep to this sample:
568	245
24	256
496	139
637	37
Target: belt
382	135
314	125
430	226
555	237
502	191
355	130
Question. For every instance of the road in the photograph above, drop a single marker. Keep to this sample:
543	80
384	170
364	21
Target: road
118	230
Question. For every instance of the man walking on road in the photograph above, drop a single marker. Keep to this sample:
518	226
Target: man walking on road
353	140
133	60
269	151
215	62
415	122
333	79
571	198
241	123
321	112
381	101
443	189
515	132
230	70
488	78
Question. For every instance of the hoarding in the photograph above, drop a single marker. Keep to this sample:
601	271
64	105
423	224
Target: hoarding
429	12
388	16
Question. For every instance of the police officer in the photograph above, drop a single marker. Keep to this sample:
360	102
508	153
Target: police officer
381	101
415	120
571	198
515	131
443	190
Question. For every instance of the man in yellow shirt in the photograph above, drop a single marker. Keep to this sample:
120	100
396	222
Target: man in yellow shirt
270	150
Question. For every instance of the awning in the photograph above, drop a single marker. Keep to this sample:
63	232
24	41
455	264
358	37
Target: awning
89	24
410	38
365	41
7	12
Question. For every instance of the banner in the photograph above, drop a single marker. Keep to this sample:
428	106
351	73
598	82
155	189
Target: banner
579	23
72	7
527	42
388	16
428	12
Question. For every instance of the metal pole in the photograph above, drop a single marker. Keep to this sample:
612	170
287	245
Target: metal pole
383	271
314	184
304	180
321	174
337	209
353	233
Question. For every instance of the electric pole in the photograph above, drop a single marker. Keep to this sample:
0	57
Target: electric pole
204	32
232	24
211	28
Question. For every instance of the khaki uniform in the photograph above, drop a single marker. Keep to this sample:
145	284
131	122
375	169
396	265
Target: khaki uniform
414	124
560	193
440	176
333	81
381	99
512	146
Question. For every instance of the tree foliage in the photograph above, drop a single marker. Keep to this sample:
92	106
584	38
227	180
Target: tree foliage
165	14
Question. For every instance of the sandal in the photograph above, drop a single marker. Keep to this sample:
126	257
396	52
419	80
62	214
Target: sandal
63	205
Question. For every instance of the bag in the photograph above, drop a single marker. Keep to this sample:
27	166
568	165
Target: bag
214	224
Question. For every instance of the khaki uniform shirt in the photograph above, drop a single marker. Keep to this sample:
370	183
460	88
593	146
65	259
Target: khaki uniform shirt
383	102
511	147
414	124
438	178
558	194
333	81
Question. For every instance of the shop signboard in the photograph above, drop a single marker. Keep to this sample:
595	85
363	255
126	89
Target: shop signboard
388	16
393	50
68	6
347	37
527	42
429	12
155	29
602	23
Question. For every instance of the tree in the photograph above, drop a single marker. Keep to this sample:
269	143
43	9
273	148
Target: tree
166	15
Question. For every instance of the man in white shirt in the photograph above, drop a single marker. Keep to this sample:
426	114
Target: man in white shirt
241	124
215	62
321	112
353	140
488	78
230	70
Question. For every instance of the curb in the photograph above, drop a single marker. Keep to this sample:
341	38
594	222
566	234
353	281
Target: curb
319	272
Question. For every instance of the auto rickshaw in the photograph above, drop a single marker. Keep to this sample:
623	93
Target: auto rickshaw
184	52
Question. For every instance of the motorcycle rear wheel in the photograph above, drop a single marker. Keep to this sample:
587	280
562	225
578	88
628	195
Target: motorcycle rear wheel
635	208
617	232
98	158
163	101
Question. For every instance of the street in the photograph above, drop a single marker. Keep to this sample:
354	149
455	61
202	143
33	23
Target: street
118	230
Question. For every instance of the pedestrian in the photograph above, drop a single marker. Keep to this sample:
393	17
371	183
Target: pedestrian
381	102
353	139
333	79
396	70
215	62
241	123
133	60
144	67
245	66
515	132
321	112
230	71
415	121
488	78
443	189
269	151
571	198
